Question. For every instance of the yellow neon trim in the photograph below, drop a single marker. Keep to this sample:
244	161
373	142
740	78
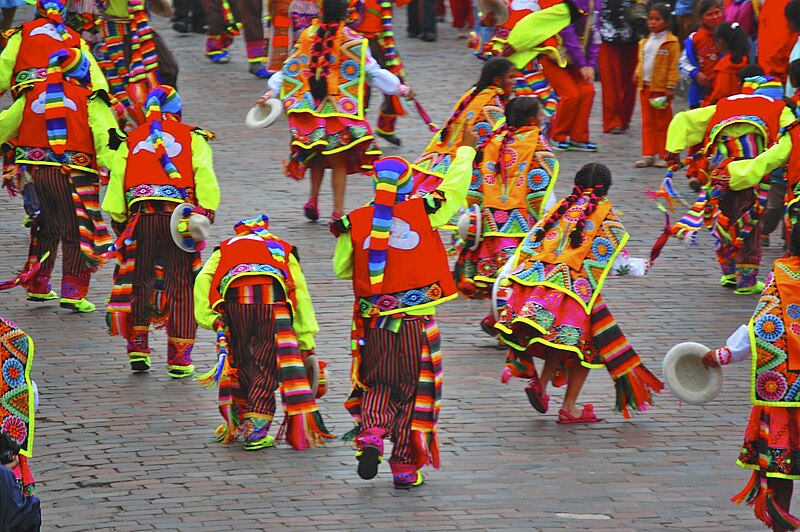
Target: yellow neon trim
31	411
430	304
560	347
250	274
48	163
549	190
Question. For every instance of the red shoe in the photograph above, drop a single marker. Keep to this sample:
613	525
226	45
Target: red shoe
310	210
587	416
538	399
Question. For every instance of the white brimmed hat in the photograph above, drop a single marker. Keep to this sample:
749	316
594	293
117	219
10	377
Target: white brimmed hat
470	225
260	116
497	7
189	229
687	377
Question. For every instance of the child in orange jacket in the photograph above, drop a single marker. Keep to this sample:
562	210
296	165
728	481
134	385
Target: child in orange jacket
732	44
657	76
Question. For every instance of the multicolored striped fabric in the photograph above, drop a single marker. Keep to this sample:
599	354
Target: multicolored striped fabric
54	11
162	99
66	63
259	226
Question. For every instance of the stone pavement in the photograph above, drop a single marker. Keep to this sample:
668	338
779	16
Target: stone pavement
132	452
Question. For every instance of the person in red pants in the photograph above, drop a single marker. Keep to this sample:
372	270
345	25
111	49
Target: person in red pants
574	83
617	61
462	16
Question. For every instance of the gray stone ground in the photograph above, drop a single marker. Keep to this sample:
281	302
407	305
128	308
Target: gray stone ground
132	452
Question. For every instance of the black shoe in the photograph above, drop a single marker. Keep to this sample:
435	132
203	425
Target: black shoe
390	138
368	460
182	26
202	29
428	37
412	34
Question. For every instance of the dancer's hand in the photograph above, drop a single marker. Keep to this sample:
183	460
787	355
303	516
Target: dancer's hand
469	138
673	158
701	79
262	102
710	360
588	74
669	92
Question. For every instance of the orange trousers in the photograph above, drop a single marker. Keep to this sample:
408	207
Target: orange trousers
575	98
617	63
654	124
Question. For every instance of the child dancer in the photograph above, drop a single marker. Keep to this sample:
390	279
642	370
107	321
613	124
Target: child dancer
479	110
700	54
325	103
657	77
397	372
253	294
554	309
733	48
512	181
163	164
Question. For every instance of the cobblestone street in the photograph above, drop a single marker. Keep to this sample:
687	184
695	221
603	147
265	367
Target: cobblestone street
122	451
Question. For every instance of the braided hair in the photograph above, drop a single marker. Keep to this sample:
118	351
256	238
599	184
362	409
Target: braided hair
496	67
333	15
594	178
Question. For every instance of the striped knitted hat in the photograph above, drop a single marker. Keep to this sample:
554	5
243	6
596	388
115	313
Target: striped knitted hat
763	86
68	63
54	11
259	226
162	99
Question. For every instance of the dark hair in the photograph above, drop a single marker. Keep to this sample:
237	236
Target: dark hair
794	73
333	15
9	448
735	38
705	5
749	71
520	110
794	239
792	12
496	67
664	10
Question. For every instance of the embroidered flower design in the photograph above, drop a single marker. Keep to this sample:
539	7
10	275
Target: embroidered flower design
569	335
346	137
602	248
15	427
386	302
538	179
795	328
574	214
771	386
292	67
487	267
13	373
769	328
793	311
501	216
413	297
241	269
37	154
349	70
143	191
81	159
348	105
489	179
482	129
583	289
434	292
551	235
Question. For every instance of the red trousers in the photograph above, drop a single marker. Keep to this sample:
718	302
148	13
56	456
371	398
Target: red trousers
574	104
617	63
654	124
462	14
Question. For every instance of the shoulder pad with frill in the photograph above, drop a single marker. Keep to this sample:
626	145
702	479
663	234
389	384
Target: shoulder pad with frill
206	134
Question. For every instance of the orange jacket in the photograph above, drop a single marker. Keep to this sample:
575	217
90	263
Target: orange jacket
665	69
726	80
775	41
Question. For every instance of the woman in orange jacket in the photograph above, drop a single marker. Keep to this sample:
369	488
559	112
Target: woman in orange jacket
732	44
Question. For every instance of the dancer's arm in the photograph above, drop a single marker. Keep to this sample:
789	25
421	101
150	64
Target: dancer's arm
304	322
203	314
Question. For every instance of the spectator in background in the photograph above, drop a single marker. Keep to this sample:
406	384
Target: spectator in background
792	13
743	12
734	49
684	15
775	39
617	61
8	8
17	512
422	20
462	16
574	84
189	16
700	53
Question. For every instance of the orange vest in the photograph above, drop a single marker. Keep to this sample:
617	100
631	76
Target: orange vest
32	144
145	178
739	107
793	167
35	48
346	77
417	274
248	255
371	22
510	207
705	49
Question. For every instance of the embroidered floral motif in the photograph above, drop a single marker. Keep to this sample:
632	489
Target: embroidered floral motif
13	372
264	269
769	327
771	386
156	192
402	300
74	158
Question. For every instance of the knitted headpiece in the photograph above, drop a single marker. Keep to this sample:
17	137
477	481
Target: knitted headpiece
68	63
392	184
54	11
259	226
162	99
764	86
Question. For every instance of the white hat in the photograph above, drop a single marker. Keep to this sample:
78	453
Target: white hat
260	116
687	377
312	371
470	225
497	7
189	229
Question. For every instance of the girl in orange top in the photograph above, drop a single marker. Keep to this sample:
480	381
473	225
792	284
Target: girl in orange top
732	43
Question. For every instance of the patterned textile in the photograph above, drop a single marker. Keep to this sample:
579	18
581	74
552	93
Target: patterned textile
54	11
17	415
70	64
476	270
162	99
47	156
424	441
775	338
532	82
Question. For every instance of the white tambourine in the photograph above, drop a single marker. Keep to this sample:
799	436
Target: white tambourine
501	293
687	377
261	116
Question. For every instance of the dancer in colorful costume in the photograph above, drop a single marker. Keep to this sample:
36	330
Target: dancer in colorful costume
133	56
552	307
163	163
226	20
480	109
18	407
512	180
737	127
373	20
61	144
287	20
770	342
253	294
397	365
325	99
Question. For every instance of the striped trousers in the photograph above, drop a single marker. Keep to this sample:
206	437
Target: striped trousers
390	369
57	223
252	341
154	245
250	14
